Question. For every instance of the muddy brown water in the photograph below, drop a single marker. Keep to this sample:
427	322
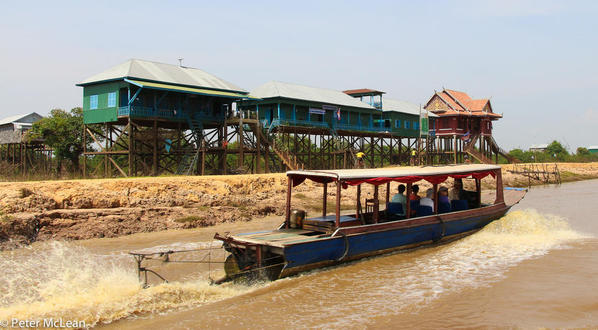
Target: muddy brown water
536	267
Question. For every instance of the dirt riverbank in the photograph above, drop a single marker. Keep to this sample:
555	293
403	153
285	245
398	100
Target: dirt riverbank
83	209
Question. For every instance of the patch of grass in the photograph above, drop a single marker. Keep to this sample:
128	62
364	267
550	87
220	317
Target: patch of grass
567	176
300	196
189	218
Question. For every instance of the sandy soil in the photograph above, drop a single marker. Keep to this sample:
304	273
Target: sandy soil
82	209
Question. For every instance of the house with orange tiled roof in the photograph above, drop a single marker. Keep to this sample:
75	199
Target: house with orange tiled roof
460	114
463	122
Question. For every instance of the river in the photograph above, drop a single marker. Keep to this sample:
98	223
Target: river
536	267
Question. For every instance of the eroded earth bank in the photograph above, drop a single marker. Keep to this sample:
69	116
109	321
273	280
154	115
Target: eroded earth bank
83	209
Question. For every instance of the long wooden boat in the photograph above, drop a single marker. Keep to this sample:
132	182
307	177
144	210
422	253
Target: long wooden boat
302	244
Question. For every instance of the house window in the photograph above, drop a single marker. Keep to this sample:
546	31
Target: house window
406	124
111	100
93	102
398	123
415	125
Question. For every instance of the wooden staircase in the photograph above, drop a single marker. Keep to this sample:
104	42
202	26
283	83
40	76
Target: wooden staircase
470	149
189	160
501	151
290	161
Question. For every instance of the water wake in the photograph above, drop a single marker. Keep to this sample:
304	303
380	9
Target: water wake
408	282
61	280
65	280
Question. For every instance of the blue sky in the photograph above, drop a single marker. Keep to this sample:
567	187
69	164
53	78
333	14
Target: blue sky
536	60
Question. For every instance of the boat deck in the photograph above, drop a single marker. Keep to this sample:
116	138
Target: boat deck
280	237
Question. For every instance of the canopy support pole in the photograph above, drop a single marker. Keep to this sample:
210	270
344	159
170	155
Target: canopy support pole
387	193
376	204
478	190
408	197
500	197
338	204
435	187
287	218
358	206
325	199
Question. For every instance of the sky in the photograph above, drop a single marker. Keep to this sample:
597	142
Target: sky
537	61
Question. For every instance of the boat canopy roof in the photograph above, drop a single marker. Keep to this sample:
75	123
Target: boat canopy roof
405	174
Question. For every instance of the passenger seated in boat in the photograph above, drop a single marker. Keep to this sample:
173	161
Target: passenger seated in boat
400	198
466	199
443	195
414	199
456	193
414	196
444	204
427	208
428	200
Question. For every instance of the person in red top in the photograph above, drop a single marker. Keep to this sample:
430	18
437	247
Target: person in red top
414	196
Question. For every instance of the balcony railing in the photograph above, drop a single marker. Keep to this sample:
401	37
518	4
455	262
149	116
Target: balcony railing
358	127
140	111
335	126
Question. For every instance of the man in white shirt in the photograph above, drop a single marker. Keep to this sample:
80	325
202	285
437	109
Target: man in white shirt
428	200
400	198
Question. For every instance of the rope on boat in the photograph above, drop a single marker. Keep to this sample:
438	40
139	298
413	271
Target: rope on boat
346	245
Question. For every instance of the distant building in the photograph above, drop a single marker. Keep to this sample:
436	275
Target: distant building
538	147
359	110
464	126
461	115
593	149
13	127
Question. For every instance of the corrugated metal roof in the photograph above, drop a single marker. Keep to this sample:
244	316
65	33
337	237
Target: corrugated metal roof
17	118
201	91
402	106
300	92
395	172
539	146
363	91
161	72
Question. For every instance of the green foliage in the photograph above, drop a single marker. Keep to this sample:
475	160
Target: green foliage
555	152
63	132
523	156
581	151
189	218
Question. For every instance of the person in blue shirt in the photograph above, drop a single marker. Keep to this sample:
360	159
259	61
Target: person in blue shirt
400	198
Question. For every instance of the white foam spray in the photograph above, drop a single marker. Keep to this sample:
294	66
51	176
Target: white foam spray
63	280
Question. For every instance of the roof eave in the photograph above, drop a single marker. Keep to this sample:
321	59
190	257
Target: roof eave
314	101
162	82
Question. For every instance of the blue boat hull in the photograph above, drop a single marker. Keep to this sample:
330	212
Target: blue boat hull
346	247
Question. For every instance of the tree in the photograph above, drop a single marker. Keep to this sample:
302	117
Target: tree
581	151
519	154
556	150
63	132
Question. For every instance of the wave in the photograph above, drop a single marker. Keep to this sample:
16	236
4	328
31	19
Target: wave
63	280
